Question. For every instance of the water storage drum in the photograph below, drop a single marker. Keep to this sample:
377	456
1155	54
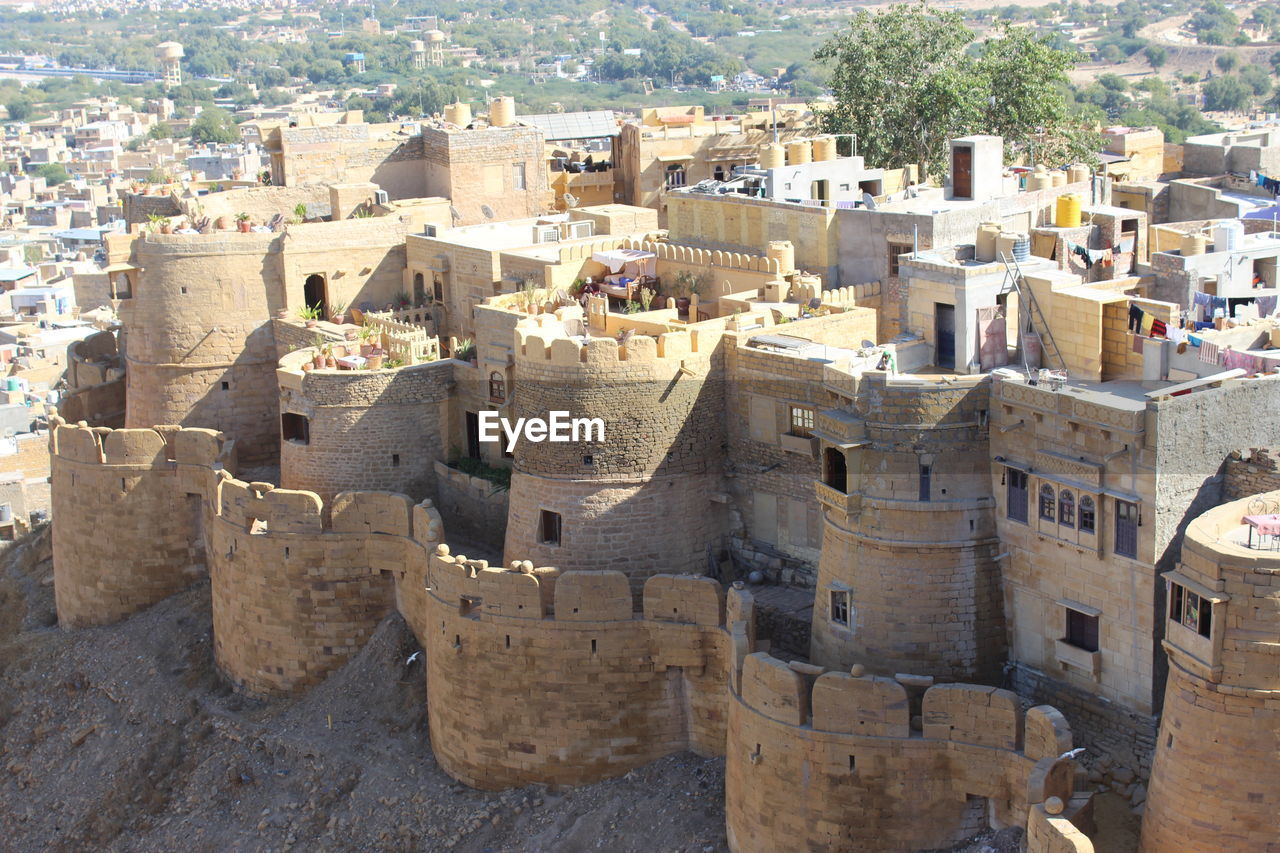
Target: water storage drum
1067	214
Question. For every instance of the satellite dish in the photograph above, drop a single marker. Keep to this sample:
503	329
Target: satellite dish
456	215
868	201
570	200
487	211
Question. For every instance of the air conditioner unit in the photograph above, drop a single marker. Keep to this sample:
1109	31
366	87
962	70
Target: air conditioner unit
546	234
582	229
429	230
381	197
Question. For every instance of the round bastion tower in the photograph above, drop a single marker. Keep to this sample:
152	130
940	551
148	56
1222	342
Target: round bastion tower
200	348
641	500
1215	781
908	579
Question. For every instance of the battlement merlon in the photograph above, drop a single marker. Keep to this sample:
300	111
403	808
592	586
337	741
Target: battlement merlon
525	592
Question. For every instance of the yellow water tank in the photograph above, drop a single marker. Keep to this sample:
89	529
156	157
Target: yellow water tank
1077	174
824	148
502	111
771	156
459	114
799	152
1067	212
784	253
1193	243
985	248
1058	178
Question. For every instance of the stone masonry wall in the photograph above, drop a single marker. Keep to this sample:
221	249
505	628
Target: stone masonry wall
644	495
555	679
1253	473
379	430
110	557
828	761
919	569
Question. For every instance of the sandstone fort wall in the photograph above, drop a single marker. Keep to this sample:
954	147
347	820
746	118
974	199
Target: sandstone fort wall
911	536
644	494
829	761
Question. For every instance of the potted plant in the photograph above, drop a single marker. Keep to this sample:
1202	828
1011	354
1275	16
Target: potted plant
242	222
329	360
300	212
222	223
317	360
156	222
402	300
367	344
337	314
310	315
466	351
374	359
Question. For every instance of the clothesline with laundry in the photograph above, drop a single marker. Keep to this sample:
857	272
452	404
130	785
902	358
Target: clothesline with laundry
1206	306
1269	184
1106	257
1146	326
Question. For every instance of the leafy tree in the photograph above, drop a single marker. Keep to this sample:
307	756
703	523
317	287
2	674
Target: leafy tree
214	125
1156	56
20	109
1256	79
1227	62
1227	93
1275	62
160	130
906	81
53	173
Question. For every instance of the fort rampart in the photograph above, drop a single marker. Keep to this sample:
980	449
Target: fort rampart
829	761
909	530
643	495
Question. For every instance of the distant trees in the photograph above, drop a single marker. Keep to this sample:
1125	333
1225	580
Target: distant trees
1156	56
910	78
53	173
20	109
1227	93
214	125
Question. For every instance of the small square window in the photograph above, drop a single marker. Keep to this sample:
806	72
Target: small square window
840	607
1082	630
801	421
549	527
1190	610
295	428
896	249
1048	499
226	386
395	460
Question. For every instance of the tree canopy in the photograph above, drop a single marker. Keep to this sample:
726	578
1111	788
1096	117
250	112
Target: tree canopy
214	125
910	78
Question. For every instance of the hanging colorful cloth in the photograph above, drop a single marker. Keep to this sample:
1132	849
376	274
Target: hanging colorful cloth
1135	317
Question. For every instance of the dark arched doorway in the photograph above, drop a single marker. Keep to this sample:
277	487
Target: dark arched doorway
313	294
419	289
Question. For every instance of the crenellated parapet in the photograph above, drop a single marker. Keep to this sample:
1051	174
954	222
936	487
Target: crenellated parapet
821	760
566	678
659	399
296	589
108	488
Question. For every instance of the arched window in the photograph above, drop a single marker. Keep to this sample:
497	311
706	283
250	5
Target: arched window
1088	515
419	289
1047	501
497	387
835	469
1066	508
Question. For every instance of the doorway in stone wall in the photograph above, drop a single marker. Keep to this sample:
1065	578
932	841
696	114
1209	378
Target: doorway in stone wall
419	289
314	293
